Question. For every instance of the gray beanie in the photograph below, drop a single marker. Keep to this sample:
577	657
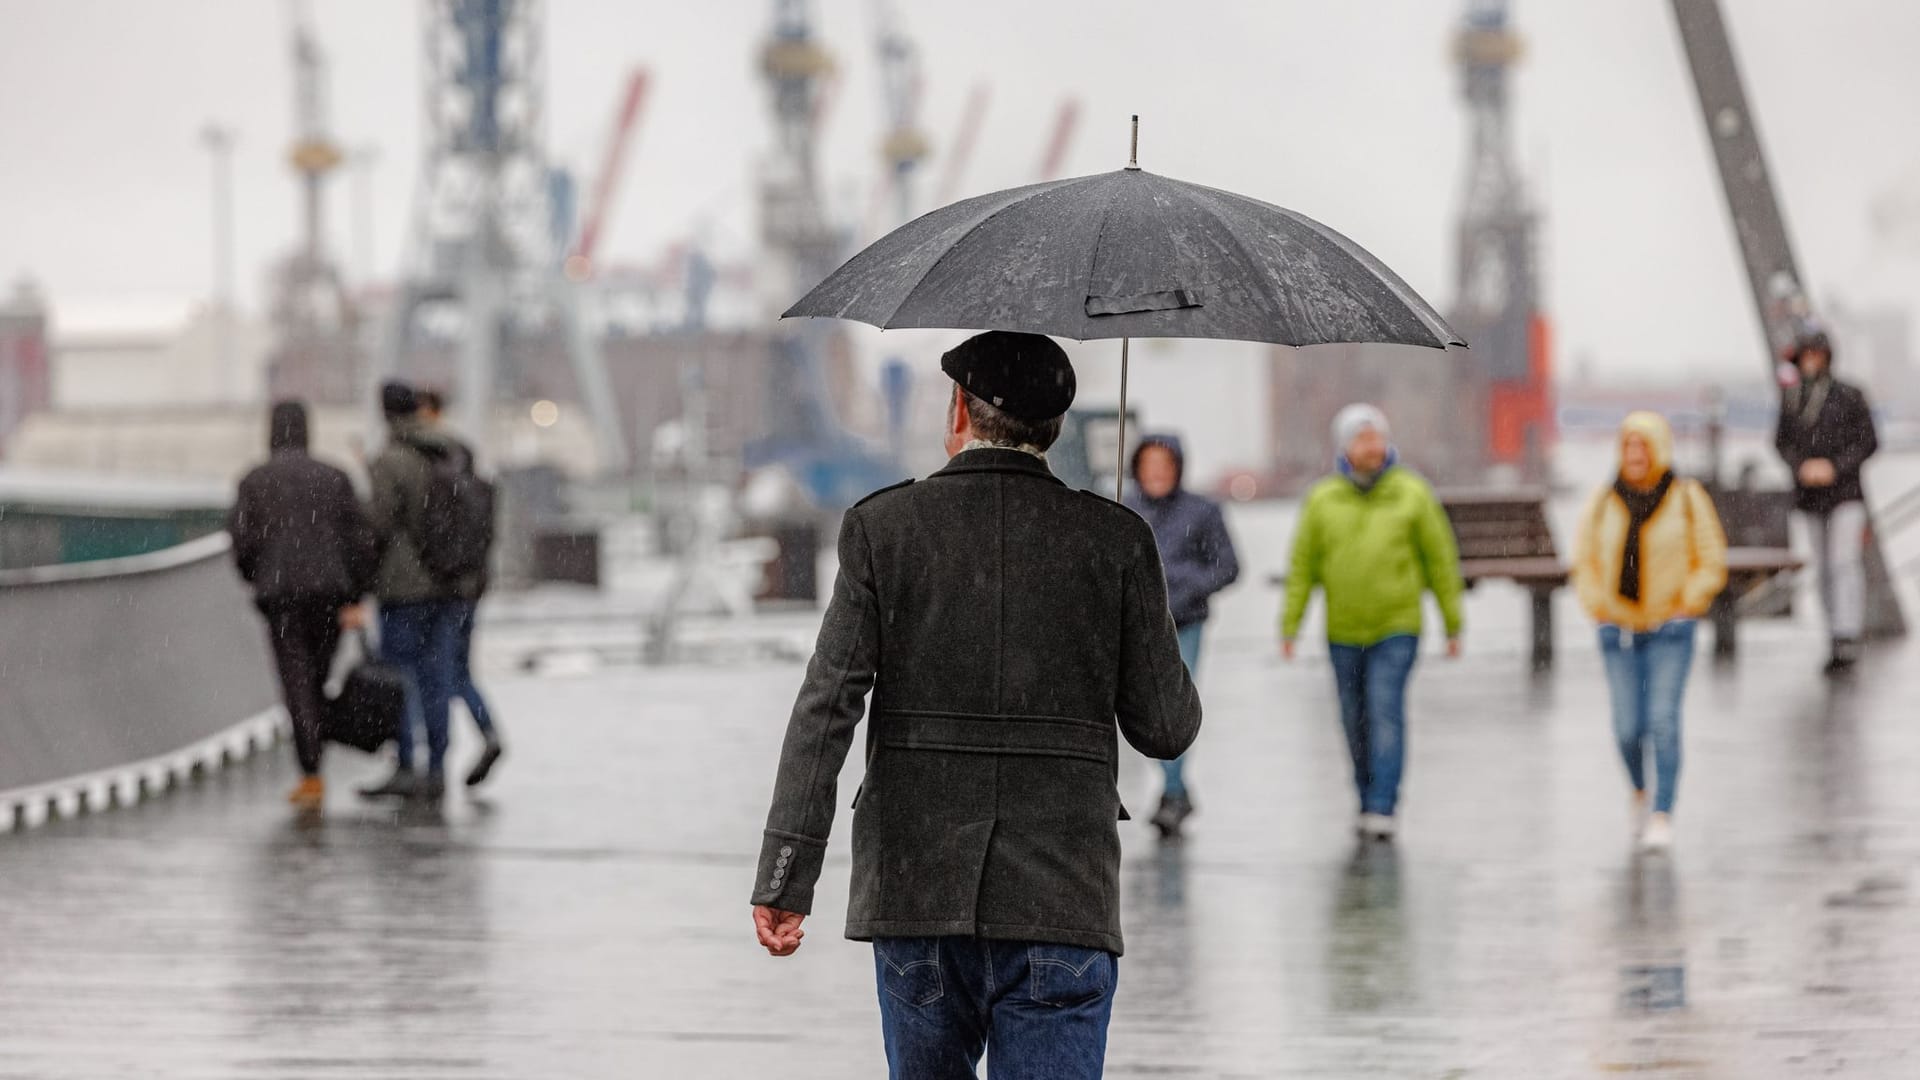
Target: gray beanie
1354	419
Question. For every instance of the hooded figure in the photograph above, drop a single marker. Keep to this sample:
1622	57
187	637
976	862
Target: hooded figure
1826	435
1197	554
303	543
1191	532
1374	538
1649	559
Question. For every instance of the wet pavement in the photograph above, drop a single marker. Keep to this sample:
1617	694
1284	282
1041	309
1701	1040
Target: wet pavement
588	918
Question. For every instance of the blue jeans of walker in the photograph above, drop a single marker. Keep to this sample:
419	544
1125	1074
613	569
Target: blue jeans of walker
463	686
422	639
1373	710
1039	1011
1189	636
1647	675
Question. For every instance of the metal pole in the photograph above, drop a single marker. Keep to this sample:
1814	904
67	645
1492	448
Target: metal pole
1120	439
219	143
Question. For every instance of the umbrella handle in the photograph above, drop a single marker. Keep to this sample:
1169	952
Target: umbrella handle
1120	464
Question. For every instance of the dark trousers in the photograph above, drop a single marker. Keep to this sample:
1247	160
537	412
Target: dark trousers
1040	1012
422	639
304	634
464	689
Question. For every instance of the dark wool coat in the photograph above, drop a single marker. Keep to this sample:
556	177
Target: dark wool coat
1003	622
1842	432
299	533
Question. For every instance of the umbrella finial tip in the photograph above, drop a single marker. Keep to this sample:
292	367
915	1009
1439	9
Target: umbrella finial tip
1133	151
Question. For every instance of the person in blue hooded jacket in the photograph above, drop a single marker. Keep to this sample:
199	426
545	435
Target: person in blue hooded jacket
1197	554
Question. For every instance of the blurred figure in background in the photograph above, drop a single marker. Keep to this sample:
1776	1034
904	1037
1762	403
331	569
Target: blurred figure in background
303	543
1649	559
1375	539
420	609
1825	435
432	406
1198	557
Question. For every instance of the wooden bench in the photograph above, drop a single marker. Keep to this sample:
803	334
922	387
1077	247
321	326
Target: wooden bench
1504	534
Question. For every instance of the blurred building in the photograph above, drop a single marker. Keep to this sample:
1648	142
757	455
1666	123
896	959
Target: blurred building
26	378
144	355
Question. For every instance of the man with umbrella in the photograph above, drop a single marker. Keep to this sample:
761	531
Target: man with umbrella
1003	623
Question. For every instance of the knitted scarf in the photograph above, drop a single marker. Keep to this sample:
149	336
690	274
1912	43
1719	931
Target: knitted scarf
1640	507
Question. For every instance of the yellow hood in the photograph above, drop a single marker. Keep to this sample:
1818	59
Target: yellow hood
1658	434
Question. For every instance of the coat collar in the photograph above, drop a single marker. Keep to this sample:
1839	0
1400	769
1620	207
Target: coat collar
995	460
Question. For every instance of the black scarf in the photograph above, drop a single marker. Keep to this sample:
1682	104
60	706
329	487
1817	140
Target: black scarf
1640	507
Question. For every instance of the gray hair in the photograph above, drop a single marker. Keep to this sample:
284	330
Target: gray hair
996	428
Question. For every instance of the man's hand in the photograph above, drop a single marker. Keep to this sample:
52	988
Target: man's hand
1817	472
1453	648
353	617
779	931
1286	648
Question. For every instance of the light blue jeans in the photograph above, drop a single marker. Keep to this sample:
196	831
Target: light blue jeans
1647	674
1190	652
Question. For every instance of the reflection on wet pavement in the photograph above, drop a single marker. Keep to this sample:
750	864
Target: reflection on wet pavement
588	917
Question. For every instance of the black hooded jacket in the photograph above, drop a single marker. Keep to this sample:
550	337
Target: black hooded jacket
298	530
1191	533
1827	419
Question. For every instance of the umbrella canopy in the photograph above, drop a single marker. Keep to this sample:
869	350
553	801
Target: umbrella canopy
1128	254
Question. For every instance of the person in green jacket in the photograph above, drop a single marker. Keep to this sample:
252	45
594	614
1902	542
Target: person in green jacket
1374	538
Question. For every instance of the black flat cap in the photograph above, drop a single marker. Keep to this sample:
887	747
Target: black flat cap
398	399
1026	376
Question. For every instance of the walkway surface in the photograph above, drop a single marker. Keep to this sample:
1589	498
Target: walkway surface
587	917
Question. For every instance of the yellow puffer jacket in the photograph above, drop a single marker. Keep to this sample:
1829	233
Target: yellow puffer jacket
1683	550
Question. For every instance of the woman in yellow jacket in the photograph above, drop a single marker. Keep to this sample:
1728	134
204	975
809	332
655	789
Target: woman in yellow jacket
1649	560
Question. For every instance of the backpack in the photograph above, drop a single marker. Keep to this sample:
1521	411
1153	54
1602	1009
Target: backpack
455	531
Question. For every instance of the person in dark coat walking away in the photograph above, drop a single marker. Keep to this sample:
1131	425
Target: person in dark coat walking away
420	611
432	406
1826	435
1003	623
303	543
1198	557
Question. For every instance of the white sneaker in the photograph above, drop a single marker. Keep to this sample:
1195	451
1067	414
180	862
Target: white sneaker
1658	835
1376	826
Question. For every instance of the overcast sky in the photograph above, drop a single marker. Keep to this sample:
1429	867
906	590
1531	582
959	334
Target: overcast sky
1346	111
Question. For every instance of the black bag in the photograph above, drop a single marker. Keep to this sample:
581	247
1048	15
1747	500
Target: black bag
371	705
456	516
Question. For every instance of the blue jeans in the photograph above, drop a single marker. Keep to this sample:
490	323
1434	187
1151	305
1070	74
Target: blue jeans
1189	636
1647	674
1373	710
422	639
1039	1011
463	687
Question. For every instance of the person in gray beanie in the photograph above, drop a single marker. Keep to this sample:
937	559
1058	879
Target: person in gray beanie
1374	538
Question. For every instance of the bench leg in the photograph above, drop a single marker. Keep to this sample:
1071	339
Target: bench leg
1542	630
1726	638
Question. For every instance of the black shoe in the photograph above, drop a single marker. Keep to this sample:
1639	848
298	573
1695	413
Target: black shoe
1846	653
1174	811
485	765
403	784
432	788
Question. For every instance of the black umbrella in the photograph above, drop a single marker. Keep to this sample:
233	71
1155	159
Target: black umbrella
1127	254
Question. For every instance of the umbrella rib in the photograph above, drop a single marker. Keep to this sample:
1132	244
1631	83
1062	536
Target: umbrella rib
1442	333
969	231
1093	258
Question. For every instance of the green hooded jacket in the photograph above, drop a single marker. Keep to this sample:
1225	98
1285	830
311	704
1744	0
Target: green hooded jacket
1374	552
